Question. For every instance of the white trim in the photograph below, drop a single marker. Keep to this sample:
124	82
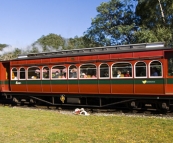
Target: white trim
150	71
33	78
13	72
121	67
58	78
42	73
69	74
88	78
19	73
99	72
135	70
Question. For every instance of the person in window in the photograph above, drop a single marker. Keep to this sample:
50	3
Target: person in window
127	74
154	72
83	75
73	73
118	74
57	75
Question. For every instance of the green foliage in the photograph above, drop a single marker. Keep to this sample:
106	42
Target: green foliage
150	16
122	22
49	42
114	24
150	13
2	46
80	42
11	55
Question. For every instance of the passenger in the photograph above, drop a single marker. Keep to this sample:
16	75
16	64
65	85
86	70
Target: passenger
15	77
93	76
73	73
57	74
154	72
83	75
118	73
122	75
127	74
33	77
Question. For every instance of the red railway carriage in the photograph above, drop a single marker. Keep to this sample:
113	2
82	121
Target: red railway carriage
138	75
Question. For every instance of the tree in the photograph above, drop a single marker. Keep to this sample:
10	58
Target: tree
49	42
156	23
11	55
80	42
2	46
115	23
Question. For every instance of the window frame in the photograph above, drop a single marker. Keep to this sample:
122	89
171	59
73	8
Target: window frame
121	77
88	78
99	72
135	70
12	73
149	66
42	73
20	72
34	78
57	78
77	72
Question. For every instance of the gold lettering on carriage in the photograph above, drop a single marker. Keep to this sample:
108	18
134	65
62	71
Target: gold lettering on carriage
17	82
145	81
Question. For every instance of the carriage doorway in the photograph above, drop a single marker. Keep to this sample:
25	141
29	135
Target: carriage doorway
5	76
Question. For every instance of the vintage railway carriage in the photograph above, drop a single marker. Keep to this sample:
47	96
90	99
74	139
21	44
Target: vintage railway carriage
137	75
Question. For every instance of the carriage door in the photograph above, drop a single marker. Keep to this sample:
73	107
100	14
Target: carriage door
5	76
169	73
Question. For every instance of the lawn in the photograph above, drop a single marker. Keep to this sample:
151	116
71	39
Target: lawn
19	125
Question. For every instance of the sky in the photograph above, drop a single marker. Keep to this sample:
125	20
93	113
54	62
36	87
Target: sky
24	21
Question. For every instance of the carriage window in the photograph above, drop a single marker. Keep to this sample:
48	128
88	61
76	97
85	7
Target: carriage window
72	71
88	71
59	72
33	73
14	74
45	73
22	73
104	71
155	69
140	69
122	70
170	66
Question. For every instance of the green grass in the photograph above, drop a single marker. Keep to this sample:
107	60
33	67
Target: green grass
39	126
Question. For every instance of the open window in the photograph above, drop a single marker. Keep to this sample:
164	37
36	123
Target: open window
59	72
120	70
155	69
22	73
88	71
140	70
72	72
45	73
14	74
34	73
104	71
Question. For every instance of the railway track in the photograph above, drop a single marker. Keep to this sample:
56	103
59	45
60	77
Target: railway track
95	111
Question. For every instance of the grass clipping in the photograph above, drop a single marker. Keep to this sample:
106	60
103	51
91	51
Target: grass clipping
40	126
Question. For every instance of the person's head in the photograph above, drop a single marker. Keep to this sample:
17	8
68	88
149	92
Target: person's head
56	73
118	72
